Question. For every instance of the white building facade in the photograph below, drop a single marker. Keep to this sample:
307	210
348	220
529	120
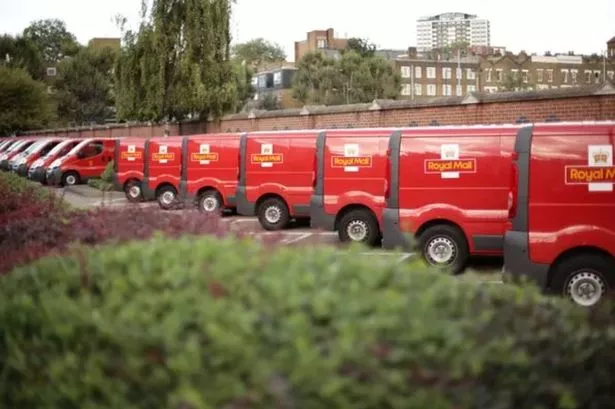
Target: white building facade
449	28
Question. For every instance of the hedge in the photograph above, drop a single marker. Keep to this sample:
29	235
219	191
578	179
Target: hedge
225	323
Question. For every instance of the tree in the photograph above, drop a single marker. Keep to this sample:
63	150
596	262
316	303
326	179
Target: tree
178	64
513	82
20	52
258	51
243	79
24	102
361	46
269	102
84	86
354	78
52	39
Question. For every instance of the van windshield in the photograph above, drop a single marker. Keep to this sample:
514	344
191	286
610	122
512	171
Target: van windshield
16	146
79	146
58	148
34	147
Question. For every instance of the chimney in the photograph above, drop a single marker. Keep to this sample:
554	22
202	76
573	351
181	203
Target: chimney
412	52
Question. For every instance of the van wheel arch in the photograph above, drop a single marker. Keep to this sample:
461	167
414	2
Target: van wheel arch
574	253
359	208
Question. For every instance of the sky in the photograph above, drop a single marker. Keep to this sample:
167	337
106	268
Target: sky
530	25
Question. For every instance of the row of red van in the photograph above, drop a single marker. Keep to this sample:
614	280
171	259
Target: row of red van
540	194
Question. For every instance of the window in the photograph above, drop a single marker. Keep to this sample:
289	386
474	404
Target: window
277	78
459	74
431	72
447	90
498	74
611	74
597	76
588	76
406	89
458	90
565	76
431	90
471	88
418	72
489	71
405	71
540	75
574	74
549	75
446	73
525	76
254	81
418	89
262	81
321	42
471	74
90	150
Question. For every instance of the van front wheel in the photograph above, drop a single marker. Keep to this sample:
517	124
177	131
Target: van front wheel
444	247
273	214
133	192
584	279
167	197
70	178
210	202
359	226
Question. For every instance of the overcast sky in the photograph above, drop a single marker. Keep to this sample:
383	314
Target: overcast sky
533	25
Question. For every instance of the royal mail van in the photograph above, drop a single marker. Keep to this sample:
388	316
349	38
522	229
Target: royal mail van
210	171
7	144
128	167
162	170
86	160
38	170
38	149
447	192
276	176
562	212
14	150
350	183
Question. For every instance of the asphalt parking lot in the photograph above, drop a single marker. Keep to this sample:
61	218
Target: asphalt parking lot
83	196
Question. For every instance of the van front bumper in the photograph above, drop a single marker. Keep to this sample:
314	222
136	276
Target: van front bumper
517	263
22	170
37	174
4	164
54	176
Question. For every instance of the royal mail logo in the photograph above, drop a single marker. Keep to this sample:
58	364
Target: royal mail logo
131	155
449	154
163	156
598	174
199	157
443	165
258	158
357	161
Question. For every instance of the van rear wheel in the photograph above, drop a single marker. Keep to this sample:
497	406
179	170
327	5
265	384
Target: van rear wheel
273	214
359	226
584	279
167	197
444	247
133	191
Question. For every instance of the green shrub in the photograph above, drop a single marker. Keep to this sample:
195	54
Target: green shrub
221	323
100	184
107	175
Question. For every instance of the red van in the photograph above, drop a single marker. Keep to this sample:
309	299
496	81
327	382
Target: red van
42	148
86	160
162	170
276	176
210	169
37	171
351	176
14	150
448	188
128	167
562	232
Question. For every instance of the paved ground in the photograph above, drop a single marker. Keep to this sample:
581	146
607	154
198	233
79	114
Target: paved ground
85	197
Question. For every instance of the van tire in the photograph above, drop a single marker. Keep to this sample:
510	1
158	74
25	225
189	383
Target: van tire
210	202
70	178
273	214
133	191
164	194
365	224
593	270
447	238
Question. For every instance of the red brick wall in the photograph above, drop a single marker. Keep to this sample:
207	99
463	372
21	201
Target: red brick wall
452	111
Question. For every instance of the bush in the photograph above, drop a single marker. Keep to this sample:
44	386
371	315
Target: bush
100	184
107	175
213	323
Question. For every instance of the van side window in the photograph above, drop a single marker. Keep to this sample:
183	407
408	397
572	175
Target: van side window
48	148
92	149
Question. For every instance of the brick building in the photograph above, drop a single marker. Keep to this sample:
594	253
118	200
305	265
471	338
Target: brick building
320	40
610	45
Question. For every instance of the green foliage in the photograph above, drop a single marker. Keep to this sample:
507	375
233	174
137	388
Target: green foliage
107	175
361	46
258	51
98	183
84	87
22	53
221	323
24	102
354	78
178	64
269	102
243	79
513	82
52	39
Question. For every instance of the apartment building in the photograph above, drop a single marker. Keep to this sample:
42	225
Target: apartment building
449	28
277	82
320	40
